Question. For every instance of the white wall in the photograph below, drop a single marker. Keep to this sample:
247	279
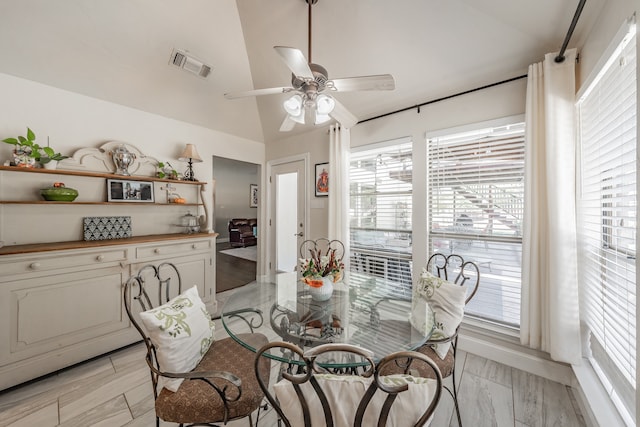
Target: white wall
73	121
611	17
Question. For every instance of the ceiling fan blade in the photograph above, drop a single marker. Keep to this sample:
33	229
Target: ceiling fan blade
287	124
378	82
296	61
258	92
343	116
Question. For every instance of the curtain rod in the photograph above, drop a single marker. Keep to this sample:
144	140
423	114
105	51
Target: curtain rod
574	21
433	101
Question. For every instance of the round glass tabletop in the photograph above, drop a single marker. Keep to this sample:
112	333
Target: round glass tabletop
365	311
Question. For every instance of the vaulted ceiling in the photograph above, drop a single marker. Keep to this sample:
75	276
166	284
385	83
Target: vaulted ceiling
119	50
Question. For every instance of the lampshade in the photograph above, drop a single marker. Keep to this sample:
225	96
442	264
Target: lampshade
322	118
293	106
190	154
324	105
299	118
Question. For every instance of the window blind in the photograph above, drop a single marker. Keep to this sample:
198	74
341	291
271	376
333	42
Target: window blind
607	220
476	205
380	211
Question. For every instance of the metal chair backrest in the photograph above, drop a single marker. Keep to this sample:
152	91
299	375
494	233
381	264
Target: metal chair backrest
323	246
151	287
303	371
456	270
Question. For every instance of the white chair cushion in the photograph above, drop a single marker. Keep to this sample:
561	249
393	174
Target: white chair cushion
447	302
182	332
344	394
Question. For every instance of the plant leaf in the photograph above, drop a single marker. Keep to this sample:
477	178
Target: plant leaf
12	141
23	140
49	151
30	135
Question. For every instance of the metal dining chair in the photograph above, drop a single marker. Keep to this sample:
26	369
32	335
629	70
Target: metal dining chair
222	386
455	269
341	385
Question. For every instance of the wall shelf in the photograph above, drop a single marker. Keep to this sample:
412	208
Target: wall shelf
45	202
98	175
19	194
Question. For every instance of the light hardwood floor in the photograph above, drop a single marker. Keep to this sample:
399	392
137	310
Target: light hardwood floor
115	390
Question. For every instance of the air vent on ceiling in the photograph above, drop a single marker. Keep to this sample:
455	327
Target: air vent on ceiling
187	62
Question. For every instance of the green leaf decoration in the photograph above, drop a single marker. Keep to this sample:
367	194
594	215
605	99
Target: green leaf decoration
30	135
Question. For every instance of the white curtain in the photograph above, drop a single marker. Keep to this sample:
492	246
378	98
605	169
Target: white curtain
549	312
339	146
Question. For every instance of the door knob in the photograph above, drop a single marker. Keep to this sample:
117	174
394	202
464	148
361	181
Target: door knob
300	234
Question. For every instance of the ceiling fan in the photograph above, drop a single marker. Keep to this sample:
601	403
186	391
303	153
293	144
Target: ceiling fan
313	90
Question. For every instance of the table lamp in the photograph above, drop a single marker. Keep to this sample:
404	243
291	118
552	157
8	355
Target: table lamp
190	154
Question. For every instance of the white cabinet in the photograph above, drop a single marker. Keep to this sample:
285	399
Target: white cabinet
194	258
60	306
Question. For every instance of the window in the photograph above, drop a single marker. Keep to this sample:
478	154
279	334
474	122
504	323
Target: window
476	204
380	210
607	220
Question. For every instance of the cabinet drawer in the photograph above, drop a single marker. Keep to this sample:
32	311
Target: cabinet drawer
173	249
18	265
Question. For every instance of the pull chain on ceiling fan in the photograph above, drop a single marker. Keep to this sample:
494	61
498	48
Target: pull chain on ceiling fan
310	82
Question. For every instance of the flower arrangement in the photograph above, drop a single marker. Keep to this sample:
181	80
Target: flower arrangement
320	265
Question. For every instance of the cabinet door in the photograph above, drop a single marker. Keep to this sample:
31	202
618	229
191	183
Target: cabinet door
194	270
59	311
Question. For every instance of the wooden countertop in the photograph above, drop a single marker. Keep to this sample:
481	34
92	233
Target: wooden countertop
80	244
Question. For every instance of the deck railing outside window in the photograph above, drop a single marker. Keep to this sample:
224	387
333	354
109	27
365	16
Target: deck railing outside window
476	206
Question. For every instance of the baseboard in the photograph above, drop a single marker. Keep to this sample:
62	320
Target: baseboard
595	403
509	352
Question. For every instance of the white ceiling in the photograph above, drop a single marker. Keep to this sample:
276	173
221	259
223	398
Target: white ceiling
118	50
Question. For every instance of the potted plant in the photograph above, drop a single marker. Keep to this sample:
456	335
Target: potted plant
26	151
51	158
165	170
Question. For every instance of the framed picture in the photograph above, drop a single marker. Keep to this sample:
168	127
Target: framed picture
253	196
322	179
122	190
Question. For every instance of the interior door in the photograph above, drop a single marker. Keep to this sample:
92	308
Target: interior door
288	214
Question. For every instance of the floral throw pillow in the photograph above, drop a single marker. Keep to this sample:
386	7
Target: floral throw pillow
447	302
182	332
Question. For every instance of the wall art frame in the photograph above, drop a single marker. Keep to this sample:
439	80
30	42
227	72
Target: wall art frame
321	179
253	195
124	190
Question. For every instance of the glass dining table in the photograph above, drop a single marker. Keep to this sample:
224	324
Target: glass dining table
363	310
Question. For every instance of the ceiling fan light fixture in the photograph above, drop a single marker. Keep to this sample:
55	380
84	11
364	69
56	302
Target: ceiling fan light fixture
293	106
324	105
299	118
322	118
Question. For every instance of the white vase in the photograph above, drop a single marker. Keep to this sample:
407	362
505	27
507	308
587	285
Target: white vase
324	292
51	164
